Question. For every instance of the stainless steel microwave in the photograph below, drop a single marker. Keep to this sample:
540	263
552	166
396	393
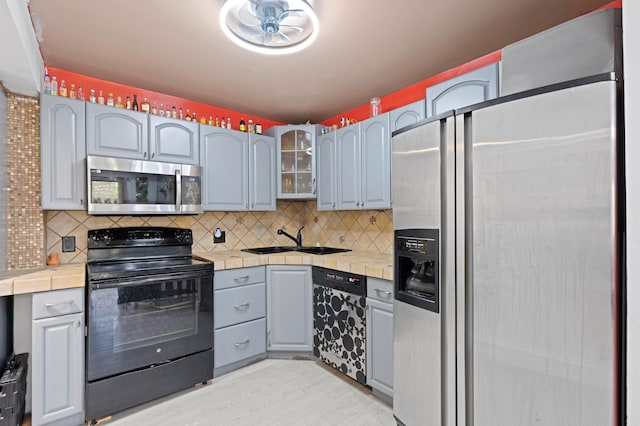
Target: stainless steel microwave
122	186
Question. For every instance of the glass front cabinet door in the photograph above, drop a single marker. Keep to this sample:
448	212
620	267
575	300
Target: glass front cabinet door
296	161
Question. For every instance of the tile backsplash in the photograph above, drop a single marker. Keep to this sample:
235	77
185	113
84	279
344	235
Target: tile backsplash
370	230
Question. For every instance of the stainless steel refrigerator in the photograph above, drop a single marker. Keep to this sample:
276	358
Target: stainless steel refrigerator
508	262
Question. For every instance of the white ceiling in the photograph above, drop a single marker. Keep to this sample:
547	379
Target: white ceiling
365	48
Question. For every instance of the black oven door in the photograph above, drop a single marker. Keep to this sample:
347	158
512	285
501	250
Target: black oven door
147	320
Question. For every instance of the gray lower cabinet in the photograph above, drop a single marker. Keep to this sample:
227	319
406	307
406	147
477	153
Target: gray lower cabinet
380	335
467	89
364	165
63	152
239	170
289	309
57	362
238	318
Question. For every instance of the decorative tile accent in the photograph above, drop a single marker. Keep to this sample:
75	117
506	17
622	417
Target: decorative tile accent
25	220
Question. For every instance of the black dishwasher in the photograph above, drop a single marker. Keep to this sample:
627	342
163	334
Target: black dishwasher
339	320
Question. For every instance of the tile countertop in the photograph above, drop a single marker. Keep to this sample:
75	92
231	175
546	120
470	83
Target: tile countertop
44	279
71	275
376	265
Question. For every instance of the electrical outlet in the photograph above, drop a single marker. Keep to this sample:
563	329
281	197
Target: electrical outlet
219	236
68	244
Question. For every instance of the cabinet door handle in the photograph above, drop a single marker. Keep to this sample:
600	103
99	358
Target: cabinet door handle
387	293
78	324
81	202
247	206
269	338
313	186
51	305
244	342
241	278
145	154
333	204
241	306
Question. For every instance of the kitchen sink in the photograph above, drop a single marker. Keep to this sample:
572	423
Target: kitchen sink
270	250
321	250
308	250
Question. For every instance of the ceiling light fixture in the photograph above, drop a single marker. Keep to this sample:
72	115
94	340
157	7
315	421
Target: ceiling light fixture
274	27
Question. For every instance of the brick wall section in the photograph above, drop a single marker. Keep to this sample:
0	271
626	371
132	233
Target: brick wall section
3	181
25	219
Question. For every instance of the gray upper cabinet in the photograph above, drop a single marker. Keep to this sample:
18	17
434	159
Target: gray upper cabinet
224	156
364	165
375	169
239	170
326	171
348	167
296	161
63	152
467	89
262	172
172	140
406	115
114	132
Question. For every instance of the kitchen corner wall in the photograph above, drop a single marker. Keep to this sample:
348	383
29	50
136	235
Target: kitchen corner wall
32	234
24	218
358	230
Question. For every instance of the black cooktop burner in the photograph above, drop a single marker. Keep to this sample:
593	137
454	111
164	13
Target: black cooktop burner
125	253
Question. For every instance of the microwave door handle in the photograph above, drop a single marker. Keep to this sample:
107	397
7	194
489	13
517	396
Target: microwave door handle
178	189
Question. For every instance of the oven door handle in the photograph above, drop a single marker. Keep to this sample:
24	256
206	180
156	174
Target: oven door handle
149	279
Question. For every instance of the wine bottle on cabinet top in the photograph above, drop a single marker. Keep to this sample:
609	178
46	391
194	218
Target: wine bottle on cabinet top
63	89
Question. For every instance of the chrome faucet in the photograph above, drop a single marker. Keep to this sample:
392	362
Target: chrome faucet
297	238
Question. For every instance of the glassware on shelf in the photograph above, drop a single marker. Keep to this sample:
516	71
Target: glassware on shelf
54	86
63	89
374	107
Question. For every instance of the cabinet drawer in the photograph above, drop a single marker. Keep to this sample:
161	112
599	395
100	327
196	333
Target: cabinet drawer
238	342
237	305
55	303
238	277
380	289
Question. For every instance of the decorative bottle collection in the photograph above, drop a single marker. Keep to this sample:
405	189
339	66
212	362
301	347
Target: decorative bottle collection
130	102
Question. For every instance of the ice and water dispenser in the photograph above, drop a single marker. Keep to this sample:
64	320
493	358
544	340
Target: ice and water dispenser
417	268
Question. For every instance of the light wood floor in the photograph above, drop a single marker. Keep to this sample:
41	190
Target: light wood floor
270	392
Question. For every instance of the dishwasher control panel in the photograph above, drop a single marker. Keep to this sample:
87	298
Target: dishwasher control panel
344	281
